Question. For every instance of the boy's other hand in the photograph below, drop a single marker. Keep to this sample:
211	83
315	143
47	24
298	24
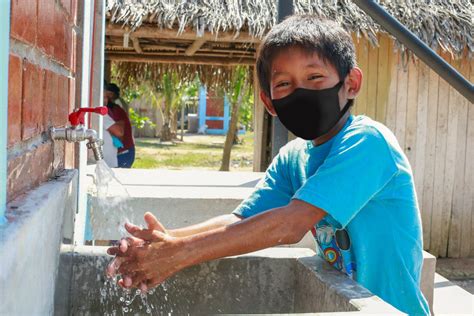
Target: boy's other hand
149	265
140	237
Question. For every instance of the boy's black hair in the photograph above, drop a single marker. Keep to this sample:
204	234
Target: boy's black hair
312	33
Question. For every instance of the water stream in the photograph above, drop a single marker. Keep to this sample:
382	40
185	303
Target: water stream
112	196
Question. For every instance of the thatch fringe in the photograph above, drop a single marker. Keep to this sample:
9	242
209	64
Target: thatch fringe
219	77
444	24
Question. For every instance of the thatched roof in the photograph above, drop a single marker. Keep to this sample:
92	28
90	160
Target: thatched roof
442	24
449	24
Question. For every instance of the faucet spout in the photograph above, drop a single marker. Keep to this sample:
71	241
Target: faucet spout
75	134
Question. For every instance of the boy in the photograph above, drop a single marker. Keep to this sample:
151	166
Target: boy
346	179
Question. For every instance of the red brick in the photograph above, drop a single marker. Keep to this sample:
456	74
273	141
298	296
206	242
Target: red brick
68	44
60	24
66	4
74	9
14	99
59	155
73	50
62	109
50	93
69	155
72	95
32	111
24	20
46	37
29	170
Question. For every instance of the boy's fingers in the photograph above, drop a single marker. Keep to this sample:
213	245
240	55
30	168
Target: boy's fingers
153	222
145	234
113	266
143	287
123	247
153	282
131	228
127	281
113	251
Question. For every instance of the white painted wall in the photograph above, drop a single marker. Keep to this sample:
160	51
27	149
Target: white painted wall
29	246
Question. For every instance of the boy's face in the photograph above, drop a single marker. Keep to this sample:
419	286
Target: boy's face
294	68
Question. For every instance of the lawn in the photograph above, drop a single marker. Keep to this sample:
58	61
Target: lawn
195	152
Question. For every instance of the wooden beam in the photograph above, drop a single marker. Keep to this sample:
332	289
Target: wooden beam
151	48
195	46
187	34
180	52
136	44
193	60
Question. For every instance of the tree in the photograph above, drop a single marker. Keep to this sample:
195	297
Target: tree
172	91
237	96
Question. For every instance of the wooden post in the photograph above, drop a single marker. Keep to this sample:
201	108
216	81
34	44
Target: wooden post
260	130
279	132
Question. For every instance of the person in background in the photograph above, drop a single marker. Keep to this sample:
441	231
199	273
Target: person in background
114	96
112	132
126	154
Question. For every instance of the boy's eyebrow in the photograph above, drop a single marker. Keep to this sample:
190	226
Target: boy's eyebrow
314	65
311	65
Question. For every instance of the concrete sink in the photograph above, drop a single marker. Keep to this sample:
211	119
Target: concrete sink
272	281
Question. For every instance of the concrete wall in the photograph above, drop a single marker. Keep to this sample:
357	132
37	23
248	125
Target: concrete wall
274	280
42	89
29	246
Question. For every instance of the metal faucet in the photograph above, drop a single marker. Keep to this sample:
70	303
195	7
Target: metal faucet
78	133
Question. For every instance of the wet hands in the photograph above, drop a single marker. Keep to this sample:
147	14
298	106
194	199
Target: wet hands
147	258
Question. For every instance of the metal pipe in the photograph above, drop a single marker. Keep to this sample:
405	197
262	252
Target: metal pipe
79	134
4	51
419	48
80	220
100	129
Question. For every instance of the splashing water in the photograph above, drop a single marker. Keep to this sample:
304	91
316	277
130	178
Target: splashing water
112	196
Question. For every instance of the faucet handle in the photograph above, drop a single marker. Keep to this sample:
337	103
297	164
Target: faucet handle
77	117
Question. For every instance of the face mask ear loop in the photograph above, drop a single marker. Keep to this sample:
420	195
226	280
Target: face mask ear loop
346	107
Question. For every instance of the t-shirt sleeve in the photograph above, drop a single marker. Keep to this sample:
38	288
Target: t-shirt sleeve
273	190
107	122
352	174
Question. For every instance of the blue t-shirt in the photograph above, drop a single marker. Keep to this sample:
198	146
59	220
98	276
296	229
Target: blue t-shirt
364	182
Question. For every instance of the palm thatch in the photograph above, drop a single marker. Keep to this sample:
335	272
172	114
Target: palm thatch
215	77
439	23
442	24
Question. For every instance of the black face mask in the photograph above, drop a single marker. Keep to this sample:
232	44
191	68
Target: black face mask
309	114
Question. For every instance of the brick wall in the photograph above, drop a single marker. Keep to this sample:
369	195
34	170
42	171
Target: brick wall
42	89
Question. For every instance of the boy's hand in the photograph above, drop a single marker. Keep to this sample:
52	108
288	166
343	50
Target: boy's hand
152	224
150	264
120	251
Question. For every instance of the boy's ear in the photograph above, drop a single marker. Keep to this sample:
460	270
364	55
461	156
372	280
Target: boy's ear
268	103
353	82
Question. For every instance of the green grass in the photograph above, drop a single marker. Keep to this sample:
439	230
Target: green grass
195	152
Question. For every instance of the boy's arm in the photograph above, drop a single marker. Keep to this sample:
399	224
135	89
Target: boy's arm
205	226
154	262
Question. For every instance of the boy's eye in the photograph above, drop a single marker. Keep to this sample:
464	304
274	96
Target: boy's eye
314	77
281	84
